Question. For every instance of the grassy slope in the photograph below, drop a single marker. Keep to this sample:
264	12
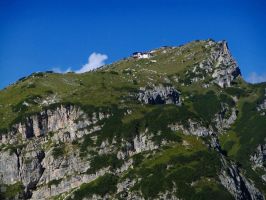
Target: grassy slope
106	86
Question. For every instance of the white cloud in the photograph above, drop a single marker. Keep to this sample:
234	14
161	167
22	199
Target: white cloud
58	70
256	78
95	61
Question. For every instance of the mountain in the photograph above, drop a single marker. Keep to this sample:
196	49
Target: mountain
172	123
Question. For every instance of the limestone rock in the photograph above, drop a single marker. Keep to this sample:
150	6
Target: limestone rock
259	157
258	160
237	184
220	66
193	128
262	106
226	69
159	95
225	118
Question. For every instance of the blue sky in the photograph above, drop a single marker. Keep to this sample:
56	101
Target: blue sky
40	35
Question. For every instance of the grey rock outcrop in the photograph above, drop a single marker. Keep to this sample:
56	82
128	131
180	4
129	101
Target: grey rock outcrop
226	69
223	122
66	184
140	143
259	157
262	106
9	167
69	121
159	95
232	178
219	67
45	174
193	128
27	155
237	184
125	185
258	160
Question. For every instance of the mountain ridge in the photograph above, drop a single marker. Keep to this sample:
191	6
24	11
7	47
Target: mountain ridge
173	124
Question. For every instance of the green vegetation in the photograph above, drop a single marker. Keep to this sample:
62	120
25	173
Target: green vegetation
87	142
11	191
230	143
105	160
206	105
210	189
238	92
179	166
54	182
13	149
156	118
101	186
58	151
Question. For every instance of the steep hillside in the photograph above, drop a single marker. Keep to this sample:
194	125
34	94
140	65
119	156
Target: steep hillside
172	123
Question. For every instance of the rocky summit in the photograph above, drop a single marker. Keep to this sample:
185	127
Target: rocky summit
173	123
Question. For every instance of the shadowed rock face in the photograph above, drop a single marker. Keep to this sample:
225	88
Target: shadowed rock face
237	184
236	73
159	95
232	178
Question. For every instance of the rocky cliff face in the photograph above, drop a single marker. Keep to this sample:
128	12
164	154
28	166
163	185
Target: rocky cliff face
193	128
32	152
232	178
259	157
220	124
28	156
237	184
219	68
62	119
258	160
222	121
226	69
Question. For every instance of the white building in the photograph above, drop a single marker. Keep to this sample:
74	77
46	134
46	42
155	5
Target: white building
140	55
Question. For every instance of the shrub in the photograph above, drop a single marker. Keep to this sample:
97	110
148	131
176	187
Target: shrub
206	105
87	141
14	191
54	182
235	91
101	186
114	72
58	151
101	161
